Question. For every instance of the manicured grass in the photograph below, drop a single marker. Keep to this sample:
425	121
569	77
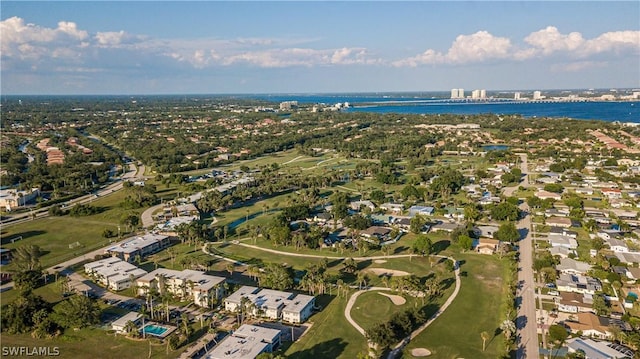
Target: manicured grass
372	308
477	308
331	336
51	292
55	234
93	343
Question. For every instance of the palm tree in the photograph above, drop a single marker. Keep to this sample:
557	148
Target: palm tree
485	337
143	313
362	279
131	329
508	327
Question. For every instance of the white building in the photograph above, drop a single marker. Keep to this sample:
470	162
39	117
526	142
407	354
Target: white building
120	324
114	273
537	95
479	94
457	93
516	96
195	285
139	246
272	304
247	342
12	199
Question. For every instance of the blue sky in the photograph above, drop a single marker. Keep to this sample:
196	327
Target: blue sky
162	47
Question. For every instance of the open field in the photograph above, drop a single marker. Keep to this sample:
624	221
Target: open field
55	234
93	343
477	308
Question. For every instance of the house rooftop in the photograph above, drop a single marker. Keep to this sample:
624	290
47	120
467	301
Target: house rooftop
248	341
136	243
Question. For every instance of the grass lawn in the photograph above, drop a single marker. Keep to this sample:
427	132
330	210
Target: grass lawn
477	308
331	336
372	308
51	292
55	234
93	343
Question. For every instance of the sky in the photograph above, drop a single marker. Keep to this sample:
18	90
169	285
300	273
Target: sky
216	47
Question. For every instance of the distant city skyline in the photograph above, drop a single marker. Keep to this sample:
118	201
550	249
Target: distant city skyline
316	47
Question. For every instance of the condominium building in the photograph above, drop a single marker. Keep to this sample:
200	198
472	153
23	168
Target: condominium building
114	273
201	288
272	304
247	342
11	199
457	93
139	246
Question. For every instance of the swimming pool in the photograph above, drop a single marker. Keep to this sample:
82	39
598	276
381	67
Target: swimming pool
155	330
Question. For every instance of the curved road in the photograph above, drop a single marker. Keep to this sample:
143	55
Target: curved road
354	296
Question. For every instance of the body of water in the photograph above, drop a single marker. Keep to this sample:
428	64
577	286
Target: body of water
625	111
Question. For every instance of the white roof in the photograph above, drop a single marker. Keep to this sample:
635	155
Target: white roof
201	281
115	269
271	299
246	342
136	243
122	321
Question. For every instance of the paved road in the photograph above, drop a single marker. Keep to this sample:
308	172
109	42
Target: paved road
526	322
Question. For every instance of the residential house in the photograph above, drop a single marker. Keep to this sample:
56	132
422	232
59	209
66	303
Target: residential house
422	210
633	273
578	284
572	266
485	231
546	194
376	233
139	246
584	191
563	241
590	325
559	231
194	285
617	245
246	342
445	227
556	212
272	304
357	205
628	258
571	302
392	207
612	193
608	234
563	222
562	252
114	273
487	246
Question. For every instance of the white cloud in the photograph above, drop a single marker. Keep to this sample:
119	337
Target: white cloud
478	47
483	46
550	40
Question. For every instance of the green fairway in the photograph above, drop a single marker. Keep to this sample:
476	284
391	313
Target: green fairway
477	308
372	308
330	336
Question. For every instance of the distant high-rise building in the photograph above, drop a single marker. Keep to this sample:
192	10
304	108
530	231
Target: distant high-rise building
457	93
478	94
516	96
537	95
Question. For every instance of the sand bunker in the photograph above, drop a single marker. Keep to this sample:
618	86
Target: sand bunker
395	299
387	272
420	352
379	261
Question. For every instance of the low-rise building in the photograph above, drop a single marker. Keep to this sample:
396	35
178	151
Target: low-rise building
422	210
392	207
114	273
272	304
571	302
578	284
617	245
562	252
201	288
563	222
563	241
572	266
11	199
487	245
139	246
598	349
246	342
120	324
